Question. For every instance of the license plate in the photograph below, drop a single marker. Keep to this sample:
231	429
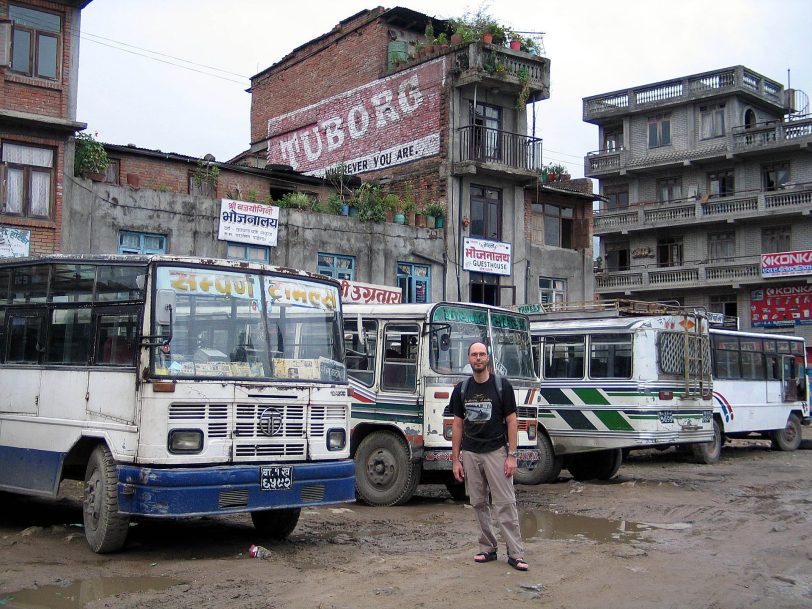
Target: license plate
275	477
528	455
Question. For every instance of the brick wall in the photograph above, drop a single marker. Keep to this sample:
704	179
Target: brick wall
357	51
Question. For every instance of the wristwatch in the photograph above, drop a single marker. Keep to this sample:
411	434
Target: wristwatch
515	453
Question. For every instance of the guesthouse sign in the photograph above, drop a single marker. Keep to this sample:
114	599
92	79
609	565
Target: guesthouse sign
483	256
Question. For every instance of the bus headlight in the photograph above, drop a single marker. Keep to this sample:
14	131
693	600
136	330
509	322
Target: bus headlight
336	439
185	441
531	431
447	429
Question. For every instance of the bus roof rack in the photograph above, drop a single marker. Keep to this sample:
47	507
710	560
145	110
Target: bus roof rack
606	308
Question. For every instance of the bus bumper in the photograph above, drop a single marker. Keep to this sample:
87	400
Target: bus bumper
440	459
149	491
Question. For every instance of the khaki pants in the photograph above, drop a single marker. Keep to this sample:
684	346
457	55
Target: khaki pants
484	476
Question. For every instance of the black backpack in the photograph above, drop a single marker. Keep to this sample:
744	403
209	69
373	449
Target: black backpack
500	388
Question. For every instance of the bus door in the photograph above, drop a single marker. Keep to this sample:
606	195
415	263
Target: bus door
26	346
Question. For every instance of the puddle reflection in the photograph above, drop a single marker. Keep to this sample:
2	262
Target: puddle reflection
543	524
79	593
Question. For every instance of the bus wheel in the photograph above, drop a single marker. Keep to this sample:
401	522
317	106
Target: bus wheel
105	528
709	452
788	438
597	465
384	475
545	470
276	524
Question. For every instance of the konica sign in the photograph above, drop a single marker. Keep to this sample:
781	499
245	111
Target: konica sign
786	264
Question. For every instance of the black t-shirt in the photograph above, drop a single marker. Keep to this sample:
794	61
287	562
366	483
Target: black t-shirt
483	414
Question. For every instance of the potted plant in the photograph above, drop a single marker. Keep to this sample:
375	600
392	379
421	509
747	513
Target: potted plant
391	202
420	217
410	209
435	212
90	158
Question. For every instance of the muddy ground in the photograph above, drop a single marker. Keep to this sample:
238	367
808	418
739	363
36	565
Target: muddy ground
665	533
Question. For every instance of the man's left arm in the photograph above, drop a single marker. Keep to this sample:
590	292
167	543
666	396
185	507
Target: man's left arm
511	463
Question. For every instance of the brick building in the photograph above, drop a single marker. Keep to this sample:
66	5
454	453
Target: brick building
445	125
39	50
702	176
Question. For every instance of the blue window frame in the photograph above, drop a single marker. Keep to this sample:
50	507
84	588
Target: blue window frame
130	242
337	266
247	252
414	281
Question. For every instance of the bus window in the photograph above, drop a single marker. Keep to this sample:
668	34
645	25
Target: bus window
536	344
117	283
564	357
361	350
70	336
726	357
610	356
72	283
115	337
26	335
400	357
29	284
752	366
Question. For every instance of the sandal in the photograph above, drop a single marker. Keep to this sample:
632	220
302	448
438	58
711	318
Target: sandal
517	563
485	557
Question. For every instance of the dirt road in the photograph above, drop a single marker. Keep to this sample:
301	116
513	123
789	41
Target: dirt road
665	533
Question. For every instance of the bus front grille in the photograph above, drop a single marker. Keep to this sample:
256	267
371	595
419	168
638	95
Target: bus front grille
233	499
313	493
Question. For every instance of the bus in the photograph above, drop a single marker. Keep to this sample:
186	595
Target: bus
617	375
759	388
403	361
173	386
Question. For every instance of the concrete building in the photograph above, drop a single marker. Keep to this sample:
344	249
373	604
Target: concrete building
707	181
446	125
39	52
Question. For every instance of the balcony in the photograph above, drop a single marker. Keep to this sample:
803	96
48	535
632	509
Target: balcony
772	136
691	89
695	275
496	151
792	199
502	68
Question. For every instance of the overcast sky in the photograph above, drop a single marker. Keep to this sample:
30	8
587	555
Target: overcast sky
171	75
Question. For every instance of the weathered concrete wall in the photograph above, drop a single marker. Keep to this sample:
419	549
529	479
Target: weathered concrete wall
97	212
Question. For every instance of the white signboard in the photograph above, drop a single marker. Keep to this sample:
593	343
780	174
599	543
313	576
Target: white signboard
14	242
483	256
244	222
369	293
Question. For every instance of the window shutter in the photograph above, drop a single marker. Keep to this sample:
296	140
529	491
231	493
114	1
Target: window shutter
5	43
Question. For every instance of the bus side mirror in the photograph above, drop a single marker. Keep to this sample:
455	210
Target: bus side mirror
445	342
165	305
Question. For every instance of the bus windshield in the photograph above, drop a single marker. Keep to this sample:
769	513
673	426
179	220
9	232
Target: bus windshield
507	335
250	325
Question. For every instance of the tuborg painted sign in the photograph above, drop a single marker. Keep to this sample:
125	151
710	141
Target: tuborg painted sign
387	122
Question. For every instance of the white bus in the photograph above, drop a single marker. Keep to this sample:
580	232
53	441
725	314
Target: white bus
759	387
173	387
622	375
403	361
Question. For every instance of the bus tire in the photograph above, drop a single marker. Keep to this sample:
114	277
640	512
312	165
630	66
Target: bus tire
384	474
596	465
709	452
276	524
788	438
105	527
545	470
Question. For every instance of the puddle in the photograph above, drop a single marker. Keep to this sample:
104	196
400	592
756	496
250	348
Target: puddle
79	593
543	524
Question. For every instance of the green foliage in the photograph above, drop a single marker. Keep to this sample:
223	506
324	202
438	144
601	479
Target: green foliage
524	94
474	23
252	196
296	200
370	203
335	203
556	168
435	209
441	38
90	156
205	172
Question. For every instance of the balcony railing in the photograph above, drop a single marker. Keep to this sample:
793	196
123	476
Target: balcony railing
772	133
683	90
478	61
485	145
790	199
746	269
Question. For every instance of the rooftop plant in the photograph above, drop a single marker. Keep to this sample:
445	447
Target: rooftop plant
90	156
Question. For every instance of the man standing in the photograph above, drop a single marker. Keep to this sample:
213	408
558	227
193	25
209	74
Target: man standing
483	454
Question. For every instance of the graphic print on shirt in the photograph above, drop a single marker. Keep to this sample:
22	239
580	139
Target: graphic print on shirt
478	411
